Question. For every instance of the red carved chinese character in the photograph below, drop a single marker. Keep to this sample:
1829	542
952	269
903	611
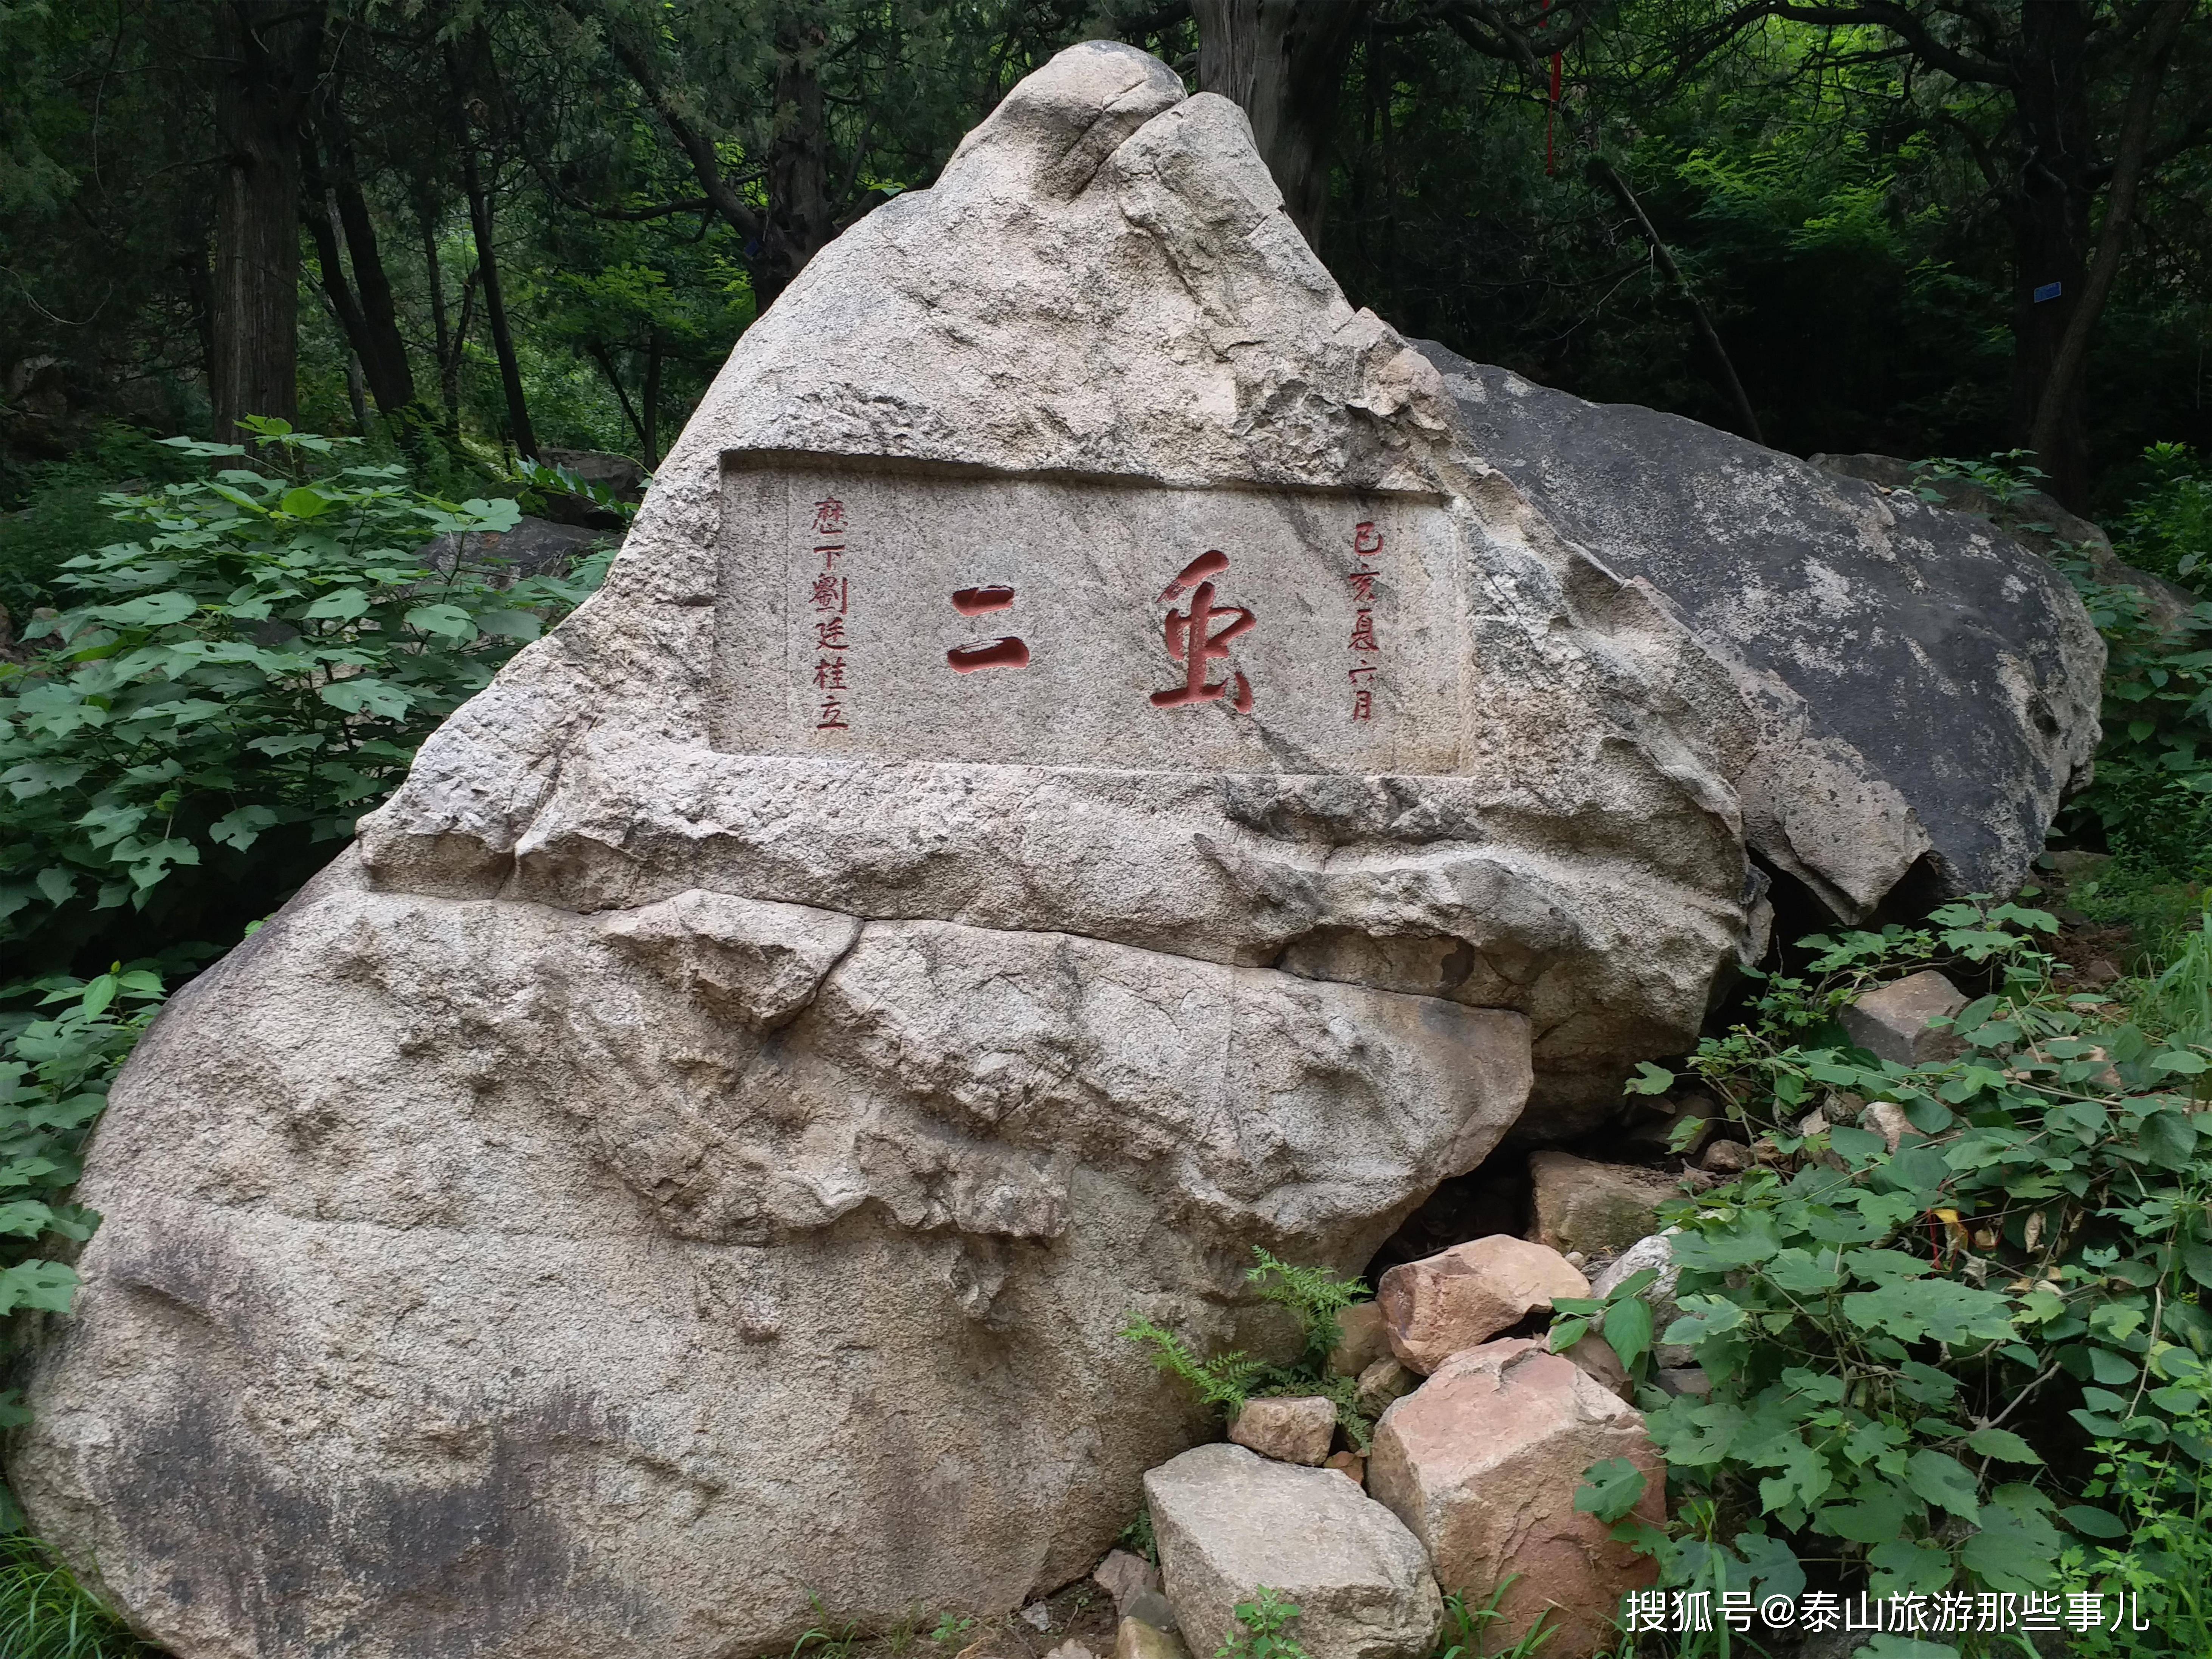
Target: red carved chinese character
1353	674
1366	539
1006	651
829	517
829	550
829	594
1363	704
1190	644
1363	586
829	636
1363	633
830	673
833	716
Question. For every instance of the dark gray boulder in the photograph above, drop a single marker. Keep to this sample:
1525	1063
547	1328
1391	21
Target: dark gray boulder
1926	687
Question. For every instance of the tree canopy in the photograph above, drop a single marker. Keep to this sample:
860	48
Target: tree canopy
1909	226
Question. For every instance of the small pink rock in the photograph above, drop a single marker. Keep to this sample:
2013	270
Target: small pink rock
1348	1463
1482	1466
1458	1300
1292	1430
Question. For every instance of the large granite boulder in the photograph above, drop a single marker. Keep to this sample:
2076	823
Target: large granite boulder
1927	687
1076	774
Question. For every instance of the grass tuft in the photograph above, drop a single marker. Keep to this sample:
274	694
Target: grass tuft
45	1613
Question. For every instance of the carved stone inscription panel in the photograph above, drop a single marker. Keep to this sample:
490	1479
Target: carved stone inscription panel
893	610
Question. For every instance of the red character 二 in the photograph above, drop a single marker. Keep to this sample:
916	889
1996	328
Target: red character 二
1193	641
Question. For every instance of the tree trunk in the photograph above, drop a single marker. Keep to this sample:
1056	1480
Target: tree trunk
1283	61
510	375
383	350
653	400
2061	396
800	223
449	389
2047	207
261	93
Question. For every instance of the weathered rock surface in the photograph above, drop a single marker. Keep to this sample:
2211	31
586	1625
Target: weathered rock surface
1462	1297
1138	1638
1483	1464
1384	1381
1927	687
1124	1576
1599	1209
1296	1430
1892	1023
696	1154
1363	1339
1228	1522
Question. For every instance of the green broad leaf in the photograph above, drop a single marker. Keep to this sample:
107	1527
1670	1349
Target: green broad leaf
1926	1384
342	606
1628	1331
2108	1367
2103	1400
1903	1568
2179	1062
2116	1321
58	884
1773	1564
1799	1273
1749	1243
49	1285
524	625
1878	1517
2196	1259
1649	1079
1886	1266
1567	1333
2020	1354
1910	1311
1703	1317
2091	1522
368	696
1944	1481
2003	1445
448	621
2013	1551
1854	1146
25	1218
242	828
304	503
2098	1426
288	744
2168	1138
2186	1322
1610	1489
154	611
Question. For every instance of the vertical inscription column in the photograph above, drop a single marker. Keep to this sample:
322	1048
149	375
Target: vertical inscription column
831	600
1367	652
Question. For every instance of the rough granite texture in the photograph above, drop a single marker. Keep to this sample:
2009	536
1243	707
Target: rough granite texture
1229	1522
694	1157
1927	687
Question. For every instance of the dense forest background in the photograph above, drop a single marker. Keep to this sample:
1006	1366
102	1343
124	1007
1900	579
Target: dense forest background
500	226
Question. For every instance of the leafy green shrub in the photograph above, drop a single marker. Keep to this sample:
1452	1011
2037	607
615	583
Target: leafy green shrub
236	684
45	1613
1265	1632
2181	1000
1223	1381
2161	1553
1909	1350
2152	794
2168	528
57	1059
62	512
